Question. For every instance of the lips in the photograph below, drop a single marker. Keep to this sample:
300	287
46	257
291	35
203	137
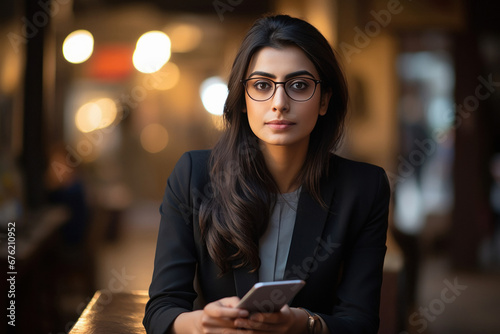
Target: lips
279	124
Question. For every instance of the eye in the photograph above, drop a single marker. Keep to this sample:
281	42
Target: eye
262	85
299	84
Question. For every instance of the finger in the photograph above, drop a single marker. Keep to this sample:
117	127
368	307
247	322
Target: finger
276	317
285	309
223	309
266	317
230	301
209	322
265	321
257	326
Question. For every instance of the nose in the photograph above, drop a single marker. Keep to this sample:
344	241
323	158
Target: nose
280	99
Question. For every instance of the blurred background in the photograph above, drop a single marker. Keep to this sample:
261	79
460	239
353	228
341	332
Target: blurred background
98	100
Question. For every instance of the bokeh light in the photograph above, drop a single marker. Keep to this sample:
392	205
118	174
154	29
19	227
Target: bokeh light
96	114
152	52
88	117
166	78
78	46
185	37
154	138
108	111
10	67
213	93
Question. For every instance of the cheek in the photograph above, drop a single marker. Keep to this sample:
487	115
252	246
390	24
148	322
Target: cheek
253	119
312	114
254	113
312	122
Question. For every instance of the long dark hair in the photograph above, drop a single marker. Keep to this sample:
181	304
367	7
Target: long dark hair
243	189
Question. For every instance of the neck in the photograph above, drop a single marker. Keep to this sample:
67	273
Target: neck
284	164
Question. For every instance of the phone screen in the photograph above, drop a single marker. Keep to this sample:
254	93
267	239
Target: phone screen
267	297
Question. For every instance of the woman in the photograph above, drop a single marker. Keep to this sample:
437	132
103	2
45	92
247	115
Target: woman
272	202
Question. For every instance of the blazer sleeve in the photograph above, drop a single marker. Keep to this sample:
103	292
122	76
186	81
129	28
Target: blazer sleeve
358	293
171	291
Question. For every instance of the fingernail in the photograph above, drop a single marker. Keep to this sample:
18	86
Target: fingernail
243	314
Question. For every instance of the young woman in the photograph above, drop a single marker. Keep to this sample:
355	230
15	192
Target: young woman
273	202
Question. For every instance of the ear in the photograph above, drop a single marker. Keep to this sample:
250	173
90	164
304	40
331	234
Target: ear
325	101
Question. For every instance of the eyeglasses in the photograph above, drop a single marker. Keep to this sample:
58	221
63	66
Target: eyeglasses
299	89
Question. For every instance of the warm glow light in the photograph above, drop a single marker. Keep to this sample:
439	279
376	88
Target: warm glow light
213	95
108	112
96	114
185	37
154	138
88	117
78	46
10	69
151	52
166	78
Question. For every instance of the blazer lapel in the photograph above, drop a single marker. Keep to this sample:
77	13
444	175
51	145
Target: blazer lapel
309	223
244	280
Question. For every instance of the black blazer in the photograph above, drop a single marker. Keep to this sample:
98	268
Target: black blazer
339	251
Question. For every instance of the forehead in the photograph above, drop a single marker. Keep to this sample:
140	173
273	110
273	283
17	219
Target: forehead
280	62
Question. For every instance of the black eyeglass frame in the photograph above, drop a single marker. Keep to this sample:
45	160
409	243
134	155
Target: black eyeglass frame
276	83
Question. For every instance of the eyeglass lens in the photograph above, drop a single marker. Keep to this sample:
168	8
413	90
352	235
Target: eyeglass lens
298	89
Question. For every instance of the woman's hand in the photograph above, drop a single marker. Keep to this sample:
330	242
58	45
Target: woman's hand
288	320
216	317
220	316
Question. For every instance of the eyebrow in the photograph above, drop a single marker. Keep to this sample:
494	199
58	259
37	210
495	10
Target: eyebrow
288	76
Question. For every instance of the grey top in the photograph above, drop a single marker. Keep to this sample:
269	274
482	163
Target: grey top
274	245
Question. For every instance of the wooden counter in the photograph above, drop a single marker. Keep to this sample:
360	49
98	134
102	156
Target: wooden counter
113	313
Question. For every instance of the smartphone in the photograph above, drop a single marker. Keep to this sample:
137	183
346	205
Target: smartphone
268	297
